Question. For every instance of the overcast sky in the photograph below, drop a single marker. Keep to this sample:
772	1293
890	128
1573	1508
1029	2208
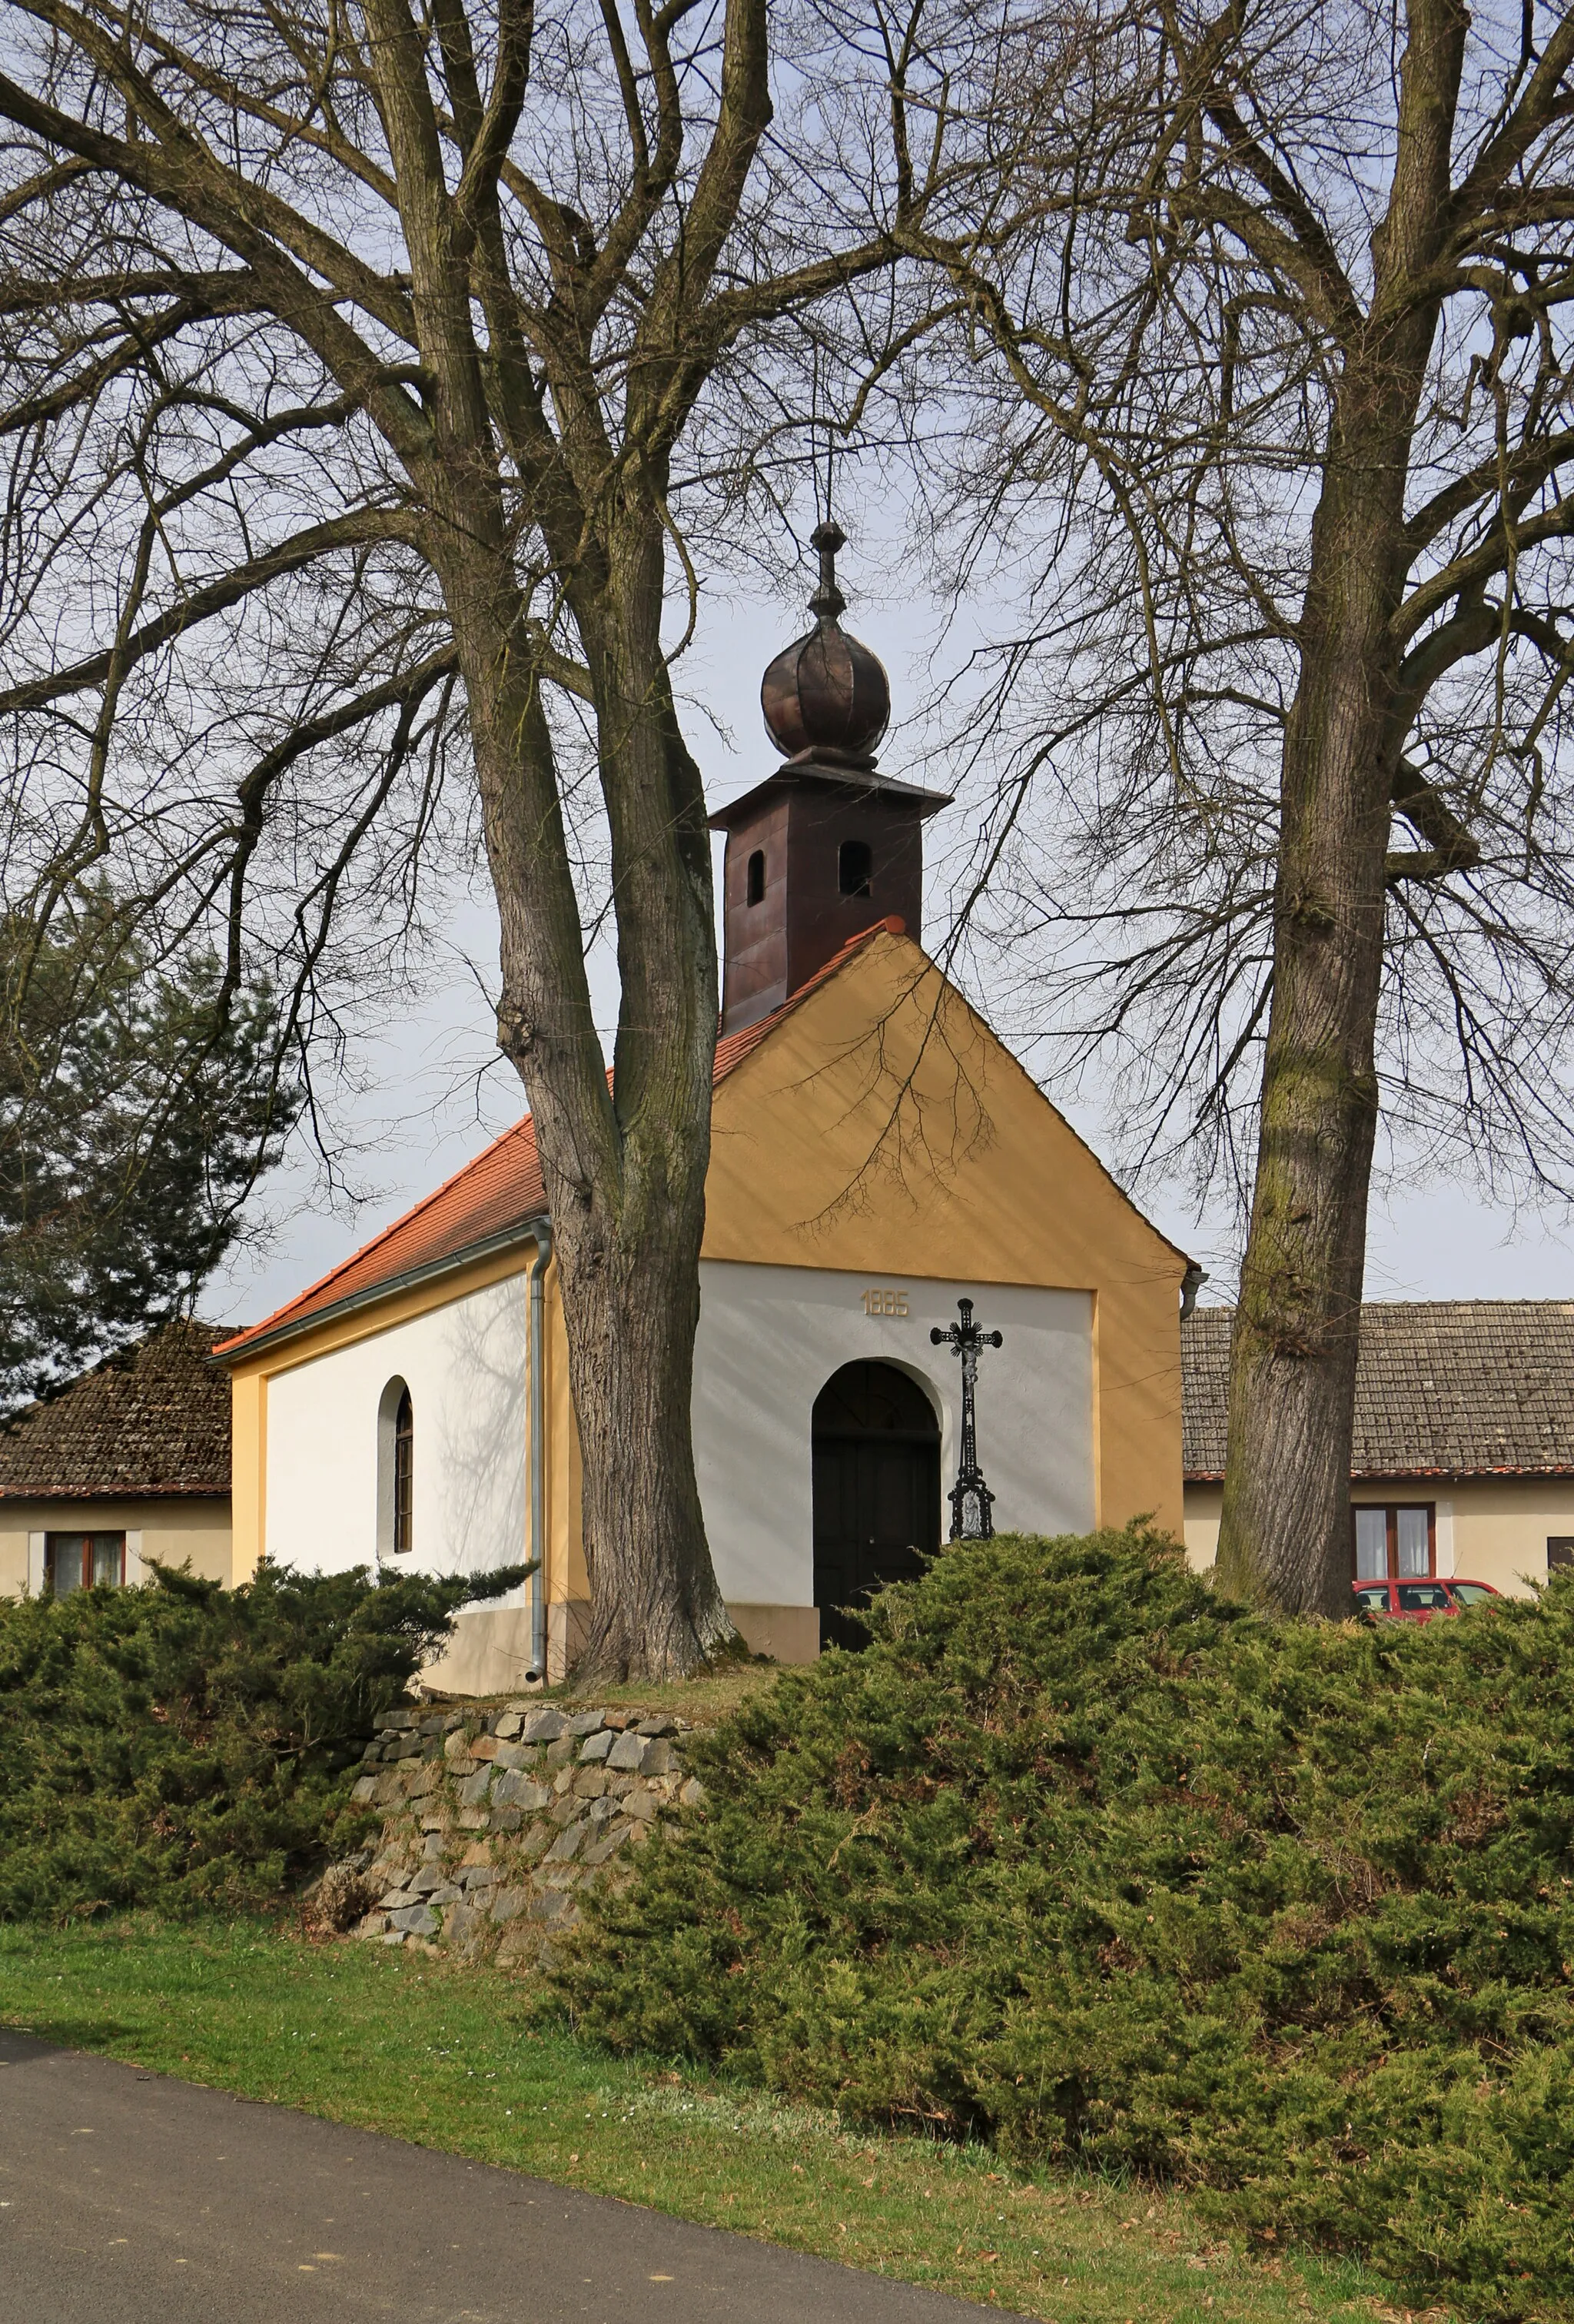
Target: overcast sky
432	1091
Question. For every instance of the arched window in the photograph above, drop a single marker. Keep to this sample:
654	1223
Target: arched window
855	867
755	891
395	1470
403	1475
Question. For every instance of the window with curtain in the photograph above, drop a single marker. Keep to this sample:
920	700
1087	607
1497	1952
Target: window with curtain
1371	1544
1394	1542
83	1561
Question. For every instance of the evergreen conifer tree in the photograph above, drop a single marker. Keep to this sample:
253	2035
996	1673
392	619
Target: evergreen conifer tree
137	1108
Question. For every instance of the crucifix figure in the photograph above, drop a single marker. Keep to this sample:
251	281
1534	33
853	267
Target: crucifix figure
971	1498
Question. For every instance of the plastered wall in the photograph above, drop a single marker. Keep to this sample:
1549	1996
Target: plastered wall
770	1337
1499	1525
1488	1528
195	1530
883	1126
1203	1504
464	1363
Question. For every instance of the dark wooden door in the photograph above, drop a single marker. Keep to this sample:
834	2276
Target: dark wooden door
876	1491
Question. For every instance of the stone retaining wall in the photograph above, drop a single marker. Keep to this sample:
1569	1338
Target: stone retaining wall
495	1820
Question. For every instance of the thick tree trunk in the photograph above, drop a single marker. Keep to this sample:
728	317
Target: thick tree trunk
1284	1537
633	1269
624	1169
1284	1540
633	1292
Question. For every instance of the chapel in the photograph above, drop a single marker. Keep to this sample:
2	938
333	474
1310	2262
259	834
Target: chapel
878	1156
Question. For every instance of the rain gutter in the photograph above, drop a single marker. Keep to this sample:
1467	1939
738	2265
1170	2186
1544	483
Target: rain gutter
539	1265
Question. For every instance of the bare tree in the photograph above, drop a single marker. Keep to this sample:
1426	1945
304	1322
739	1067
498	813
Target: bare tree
1266	305
349	346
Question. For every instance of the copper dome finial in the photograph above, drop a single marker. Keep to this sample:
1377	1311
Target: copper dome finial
827	698
828	601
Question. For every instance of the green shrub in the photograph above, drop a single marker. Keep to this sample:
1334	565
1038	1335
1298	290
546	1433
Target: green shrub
185	1746
1082	1859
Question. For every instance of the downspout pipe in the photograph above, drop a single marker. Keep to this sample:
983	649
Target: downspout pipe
539	1265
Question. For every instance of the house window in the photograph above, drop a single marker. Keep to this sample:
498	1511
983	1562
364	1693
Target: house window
855	867
1559	1550
83	1561
403	1476
1397	1542
755	891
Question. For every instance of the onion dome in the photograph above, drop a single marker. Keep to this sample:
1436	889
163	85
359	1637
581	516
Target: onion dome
827	698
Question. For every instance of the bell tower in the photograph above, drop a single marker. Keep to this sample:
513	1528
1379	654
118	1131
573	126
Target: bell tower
826	845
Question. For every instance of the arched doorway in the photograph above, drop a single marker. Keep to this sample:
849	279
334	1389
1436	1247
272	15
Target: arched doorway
877	1489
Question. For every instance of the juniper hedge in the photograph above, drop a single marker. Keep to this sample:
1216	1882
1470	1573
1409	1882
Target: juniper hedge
185	1746
1082	1858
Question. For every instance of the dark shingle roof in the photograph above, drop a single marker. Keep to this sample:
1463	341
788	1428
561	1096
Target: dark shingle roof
1205	1390
154	1419
1445	1387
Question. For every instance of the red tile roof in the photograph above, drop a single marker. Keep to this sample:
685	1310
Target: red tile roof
491	1199
488	1198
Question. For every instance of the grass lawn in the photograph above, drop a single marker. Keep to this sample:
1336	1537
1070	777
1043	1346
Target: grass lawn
408	2045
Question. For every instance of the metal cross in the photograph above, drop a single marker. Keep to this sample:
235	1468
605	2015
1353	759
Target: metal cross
971	1498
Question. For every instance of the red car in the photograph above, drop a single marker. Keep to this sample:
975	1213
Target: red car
1418	1601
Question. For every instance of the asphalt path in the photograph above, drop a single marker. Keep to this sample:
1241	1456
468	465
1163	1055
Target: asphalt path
126	2197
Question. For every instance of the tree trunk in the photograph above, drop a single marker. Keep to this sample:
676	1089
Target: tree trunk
630	1261
1284	1536
625	1168
631	1289
656	1609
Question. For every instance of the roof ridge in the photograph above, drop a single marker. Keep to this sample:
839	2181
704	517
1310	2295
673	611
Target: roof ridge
1227	1306
748	1037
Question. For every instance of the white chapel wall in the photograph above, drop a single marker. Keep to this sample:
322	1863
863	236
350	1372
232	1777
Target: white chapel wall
466	1367
770	1337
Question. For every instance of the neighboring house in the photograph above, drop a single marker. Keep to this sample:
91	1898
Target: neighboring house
877	1154
1463	1455
127	1464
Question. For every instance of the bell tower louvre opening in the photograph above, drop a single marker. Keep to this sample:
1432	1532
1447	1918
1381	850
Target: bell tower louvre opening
876	1453
828	845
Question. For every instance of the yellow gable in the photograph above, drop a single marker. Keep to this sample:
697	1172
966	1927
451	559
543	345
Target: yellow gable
881	1127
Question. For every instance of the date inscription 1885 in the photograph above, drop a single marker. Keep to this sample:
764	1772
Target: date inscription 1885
885	1303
